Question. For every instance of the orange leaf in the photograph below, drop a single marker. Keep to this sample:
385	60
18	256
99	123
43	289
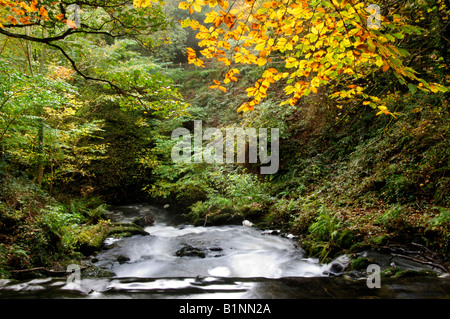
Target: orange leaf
43	12
33	6
70	23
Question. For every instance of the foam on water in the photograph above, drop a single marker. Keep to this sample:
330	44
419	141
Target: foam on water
230	251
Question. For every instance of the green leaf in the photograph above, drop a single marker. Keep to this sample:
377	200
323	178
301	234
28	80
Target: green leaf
412	88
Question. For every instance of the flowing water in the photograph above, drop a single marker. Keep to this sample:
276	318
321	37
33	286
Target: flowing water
235	262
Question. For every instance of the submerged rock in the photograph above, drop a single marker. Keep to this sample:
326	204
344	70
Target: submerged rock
188	250
122	259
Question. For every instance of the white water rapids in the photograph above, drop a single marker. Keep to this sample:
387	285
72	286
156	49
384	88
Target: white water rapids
230	251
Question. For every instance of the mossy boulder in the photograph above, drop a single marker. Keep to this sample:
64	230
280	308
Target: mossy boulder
254	212
225	216
91	238
126	230
360	263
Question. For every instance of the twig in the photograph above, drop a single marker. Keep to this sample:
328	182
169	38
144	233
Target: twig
421	261
48	271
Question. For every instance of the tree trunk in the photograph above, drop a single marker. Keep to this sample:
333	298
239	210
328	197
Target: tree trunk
40	147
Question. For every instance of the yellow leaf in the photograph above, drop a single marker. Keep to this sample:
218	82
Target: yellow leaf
194	24
224	60
197	7
261	61
185	23
183	5
141	3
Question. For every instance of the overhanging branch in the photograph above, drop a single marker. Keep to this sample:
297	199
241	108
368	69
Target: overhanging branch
86	77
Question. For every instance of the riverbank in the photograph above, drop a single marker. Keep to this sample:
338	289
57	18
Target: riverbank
48	235
40	235
239	262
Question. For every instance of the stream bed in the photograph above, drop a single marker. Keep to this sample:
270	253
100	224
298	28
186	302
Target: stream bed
177	260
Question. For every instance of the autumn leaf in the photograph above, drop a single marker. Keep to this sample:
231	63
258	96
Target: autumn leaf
43	12
70	23
218	86
319	42
183	5
142	3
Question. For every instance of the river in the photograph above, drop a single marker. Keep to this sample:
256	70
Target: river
230	261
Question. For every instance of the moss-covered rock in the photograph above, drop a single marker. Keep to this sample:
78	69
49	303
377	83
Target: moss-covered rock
254	213
126	230
225	216
360	263
90	238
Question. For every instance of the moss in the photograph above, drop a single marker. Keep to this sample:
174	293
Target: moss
226	216
359	246
253	213
360	263
95	272
395	272
90	238
126	230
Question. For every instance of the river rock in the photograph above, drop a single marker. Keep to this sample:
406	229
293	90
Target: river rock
122	259
144	221
119	230
188	250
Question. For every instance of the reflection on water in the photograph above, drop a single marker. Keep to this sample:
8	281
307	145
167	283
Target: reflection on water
227	288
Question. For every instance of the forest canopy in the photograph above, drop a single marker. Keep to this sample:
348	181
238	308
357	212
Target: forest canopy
339	44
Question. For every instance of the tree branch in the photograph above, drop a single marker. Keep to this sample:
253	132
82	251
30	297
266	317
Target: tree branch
34	39
86	77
